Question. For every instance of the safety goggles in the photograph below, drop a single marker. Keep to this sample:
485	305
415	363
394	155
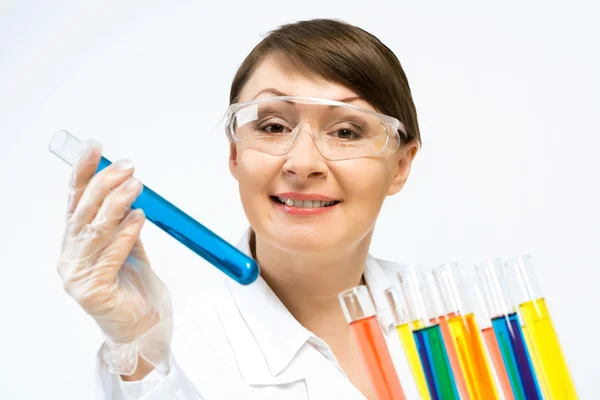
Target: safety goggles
339	130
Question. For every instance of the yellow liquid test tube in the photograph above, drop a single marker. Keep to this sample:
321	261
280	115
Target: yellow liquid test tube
407	340
466	334
541	337
405	332
546	347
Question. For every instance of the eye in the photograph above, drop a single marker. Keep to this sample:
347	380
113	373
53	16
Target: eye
346	134
274	128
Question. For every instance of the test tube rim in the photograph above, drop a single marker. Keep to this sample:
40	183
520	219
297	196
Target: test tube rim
422	312
525	290
457	301
501	296
395	292
60	136
59	146
358	291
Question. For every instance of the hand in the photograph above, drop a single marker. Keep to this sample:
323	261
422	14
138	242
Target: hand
104	266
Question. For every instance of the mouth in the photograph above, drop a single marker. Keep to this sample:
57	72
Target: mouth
293	203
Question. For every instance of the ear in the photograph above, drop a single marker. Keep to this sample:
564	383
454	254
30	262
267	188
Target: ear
404	160
233	164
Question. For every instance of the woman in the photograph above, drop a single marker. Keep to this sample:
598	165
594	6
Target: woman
312	175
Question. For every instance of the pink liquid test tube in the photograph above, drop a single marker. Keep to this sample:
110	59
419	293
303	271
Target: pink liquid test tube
361	316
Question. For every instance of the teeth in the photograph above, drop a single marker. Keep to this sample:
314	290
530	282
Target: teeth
305	203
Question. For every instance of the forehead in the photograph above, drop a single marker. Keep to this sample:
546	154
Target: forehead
278	72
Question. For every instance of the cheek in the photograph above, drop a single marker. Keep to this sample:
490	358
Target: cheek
365	185
365	181
255	171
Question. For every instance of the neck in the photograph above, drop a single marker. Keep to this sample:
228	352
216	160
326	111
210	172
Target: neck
308	284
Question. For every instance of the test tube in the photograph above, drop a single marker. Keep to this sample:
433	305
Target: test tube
360	314
172	220
543	342
465	333
428	336
405	333
436	309
484	320
508	332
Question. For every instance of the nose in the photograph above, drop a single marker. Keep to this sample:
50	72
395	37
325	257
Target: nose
303	159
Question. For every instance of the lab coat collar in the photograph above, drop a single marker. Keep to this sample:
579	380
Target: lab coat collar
278	334
377	281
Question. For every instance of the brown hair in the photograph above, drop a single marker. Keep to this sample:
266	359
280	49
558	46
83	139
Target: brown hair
341	53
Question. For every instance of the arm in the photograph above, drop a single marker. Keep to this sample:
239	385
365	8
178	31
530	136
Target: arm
143	369
167	382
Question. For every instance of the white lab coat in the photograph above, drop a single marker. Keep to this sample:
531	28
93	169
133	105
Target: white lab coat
240	342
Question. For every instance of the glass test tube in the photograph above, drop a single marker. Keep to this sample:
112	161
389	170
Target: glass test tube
360	314
436	309
404	329
484	320
428	337
173	221
465	333
507	329
543	340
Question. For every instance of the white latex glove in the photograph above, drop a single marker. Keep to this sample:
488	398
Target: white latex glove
104	267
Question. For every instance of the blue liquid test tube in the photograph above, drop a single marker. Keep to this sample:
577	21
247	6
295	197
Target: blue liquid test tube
172	220
427	334
506	325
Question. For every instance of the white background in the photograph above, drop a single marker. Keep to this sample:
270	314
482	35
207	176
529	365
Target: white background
508	99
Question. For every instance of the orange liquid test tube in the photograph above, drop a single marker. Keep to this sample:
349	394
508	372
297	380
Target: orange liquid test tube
360	314
461	384
489	336
466	334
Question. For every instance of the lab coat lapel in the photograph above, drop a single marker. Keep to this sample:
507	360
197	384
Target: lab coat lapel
263	335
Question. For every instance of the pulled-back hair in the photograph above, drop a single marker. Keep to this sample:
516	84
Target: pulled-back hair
344	54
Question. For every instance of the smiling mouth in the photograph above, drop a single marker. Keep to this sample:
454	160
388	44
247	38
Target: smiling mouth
304	203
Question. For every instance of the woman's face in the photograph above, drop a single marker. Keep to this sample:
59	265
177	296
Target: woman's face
358	185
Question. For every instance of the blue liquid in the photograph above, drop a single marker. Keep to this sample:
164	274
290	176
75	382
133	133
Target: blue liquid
194	235
436	364
516	357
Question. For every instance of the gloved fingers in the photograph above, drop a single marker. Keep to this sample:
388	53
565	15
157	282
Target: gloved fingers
118	248
142	303
114	208
95	284
81	173
96	191
138	252
147	279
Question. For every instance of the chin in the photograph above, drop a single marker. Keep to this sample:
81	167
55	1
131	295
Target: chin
306	239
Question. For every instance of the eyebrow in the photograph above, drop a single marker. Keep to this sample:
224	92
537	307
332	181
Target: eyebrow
280	93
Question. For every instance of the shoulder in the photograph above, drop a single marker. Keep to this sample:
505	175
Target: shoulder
389	269
390	266
200	315
199	321
200	342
